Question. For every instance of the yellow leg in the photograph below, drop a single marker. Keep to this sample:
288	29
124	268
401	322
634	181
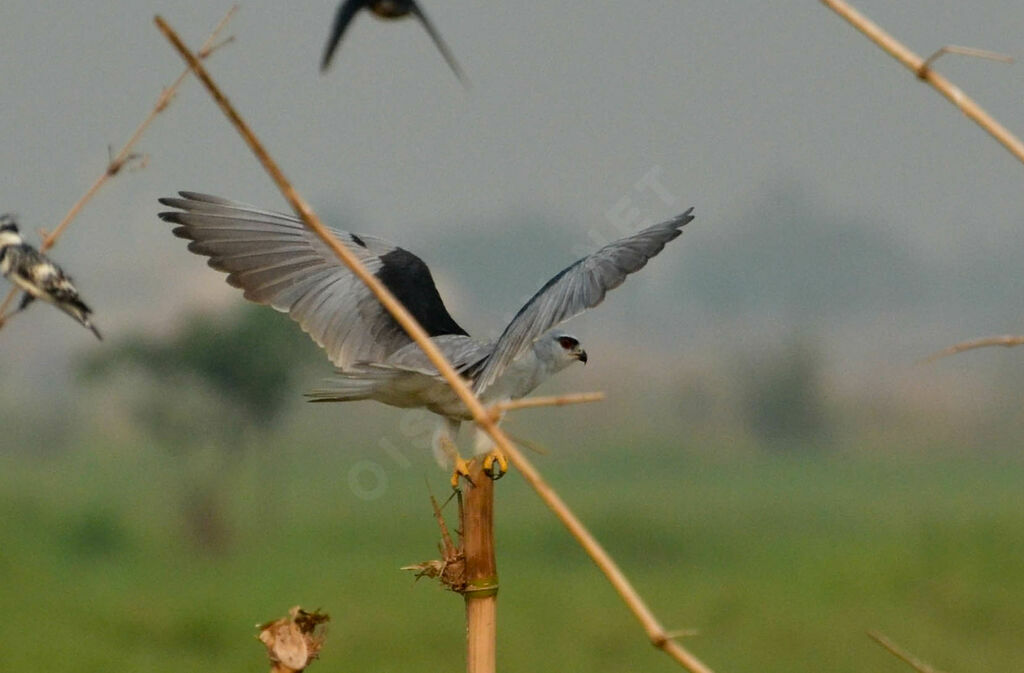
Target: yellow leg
461	469
496	456
451	451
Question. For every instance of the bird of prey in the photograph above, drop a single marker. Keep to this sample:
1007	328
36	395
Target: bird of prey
386	9
38	277
278	262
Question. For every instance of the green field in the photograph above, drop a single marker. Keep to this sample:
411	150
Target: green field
781	563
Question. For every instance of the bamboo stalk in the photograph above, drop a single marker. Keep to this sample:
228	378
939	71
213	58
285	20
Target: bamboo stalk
480	414
125	154
481	592
921	68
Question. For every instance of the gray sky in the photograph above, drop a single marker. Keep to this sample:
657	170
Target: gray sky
732	107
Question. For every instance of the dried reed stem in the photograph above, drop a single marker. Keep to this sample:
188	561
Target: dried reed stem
660	638
125	154
905	656
921	68
480	414
1006	340
551	401
481	592
966	51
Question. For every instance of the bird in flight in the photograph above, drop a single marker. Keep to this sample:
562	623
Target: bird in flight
39	278
386	9
278	262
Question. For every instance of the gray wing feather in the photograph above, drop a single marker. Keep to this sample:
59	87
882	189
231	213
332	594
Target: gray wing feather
409	364
580	286
276	261
461	351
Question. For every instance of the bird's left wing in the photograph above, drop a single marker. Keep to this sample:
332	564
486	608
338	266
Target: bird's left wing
580	286
441	45
342	18
278	262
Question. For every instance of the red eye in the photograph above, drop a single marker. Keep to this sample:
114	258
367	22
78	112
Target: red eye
567	342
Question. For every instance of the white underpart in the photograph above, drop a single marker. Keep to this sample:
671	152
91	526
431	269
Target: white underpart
545	359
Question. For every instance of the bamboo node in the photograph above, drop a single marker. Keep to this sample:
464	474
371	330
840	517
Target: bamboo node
481	587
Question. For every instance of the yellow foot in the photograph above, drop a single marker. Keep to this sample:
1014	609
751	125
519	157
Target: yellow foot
496	471
461	469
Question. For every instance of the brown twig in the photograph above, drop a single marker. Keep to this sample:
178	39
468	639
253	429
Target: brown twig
480	413
550	401
921	68
1006	340
901	654
964	51
125	155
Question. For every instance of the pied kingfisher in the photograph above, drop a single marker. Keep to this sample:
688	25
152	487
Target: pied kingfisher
37	276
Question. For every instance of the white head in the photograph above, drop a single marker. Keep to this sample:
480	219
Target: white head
9	231
558	350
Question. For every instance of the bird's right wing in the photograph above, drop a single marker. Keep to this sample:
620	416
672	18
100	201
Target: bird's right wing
578	287
278	262
346	10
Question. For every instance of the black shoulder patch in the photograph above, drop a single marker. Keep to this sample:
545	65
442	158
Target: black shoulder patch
409	279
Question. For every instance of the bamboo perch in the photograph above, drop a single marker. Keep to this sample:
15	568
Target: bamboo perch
922	69
444	368
125	154
481	590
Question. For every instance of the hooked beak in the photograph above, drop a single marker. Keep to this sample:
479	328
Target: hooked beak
582	356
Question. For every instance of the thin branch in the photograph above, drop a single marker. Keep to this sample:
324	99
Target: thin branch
1006	340
125	155
550	401
480	413
964	51
901	654
922	70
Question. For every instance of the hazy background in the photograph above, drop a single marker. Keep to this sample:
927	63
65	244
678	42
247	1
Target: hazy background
849	222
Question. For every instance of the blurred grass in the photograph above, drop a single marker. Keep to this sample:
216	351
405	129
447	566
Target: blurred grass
782	562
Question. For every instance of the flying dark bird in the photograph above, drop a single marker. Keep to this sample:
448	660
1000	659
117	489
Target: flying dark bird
386	9
37	276
278	262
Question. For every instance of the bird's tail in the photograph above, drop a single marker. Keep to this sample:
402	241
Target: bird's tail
80	312
349	386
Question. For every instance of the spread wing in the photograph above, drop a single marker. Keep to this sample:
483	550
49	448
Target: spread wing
441	45
580	286
278	262
346	10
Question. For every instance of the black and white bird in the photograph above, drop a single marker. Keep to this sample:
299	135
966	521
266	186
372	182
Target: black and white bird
39	278
386	9
278	262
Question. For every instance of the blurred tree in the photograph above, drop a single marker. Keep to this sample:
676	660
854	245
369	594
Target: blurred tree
251	357
207	388
783	397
